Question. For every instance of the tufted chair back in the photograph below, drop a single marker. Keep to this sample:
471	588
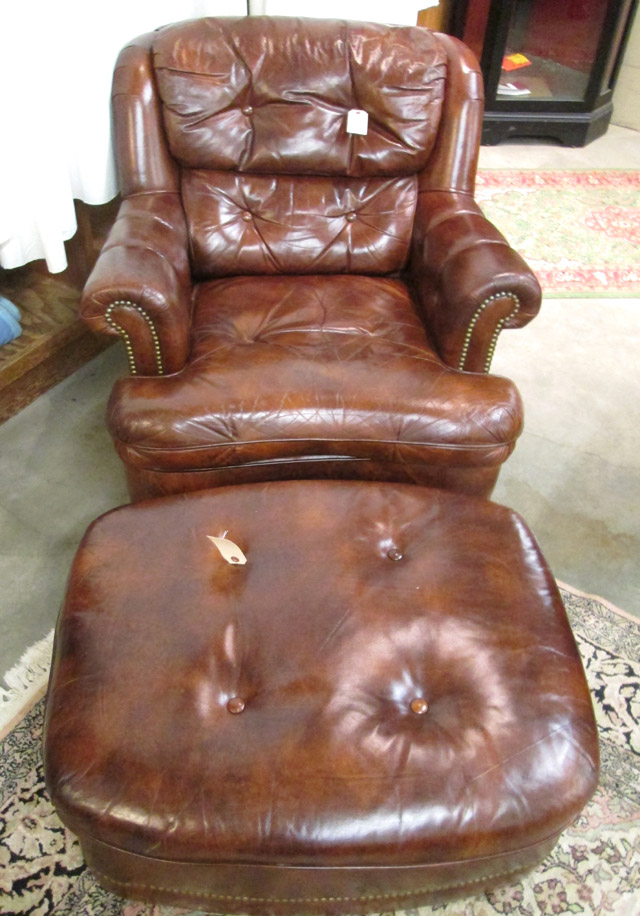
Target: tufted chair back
299	299
271	181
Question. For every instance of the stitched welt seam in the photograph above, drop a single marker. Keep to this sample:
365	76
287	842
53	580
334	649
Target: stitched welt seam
240	444
245	899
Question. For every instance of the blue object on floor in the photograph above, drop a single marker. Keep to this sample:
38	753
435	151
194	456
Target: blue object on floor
9	321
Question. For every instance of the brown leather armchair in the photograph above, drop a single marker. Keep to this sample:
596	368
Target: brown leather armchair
297	300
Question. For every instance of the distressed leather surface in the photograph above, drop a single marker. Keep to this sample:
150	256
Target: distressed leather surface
255	224
239	125
466	277
250	732
273	96
144	265
284	367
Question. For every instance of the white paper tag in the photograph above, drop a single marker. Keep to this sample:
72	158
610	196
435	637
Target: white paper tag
357	121
229	551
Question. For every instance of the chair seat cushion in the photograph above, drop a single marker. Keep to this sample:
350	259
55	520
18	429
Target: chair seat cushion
386	702
284	367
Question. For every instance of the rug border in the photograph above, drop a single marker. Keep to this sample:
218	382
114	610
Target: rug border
25	683
608	604
7	727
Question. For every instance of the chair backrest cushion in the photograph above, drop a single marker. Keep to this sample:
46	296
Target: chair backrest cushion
255	113
259	224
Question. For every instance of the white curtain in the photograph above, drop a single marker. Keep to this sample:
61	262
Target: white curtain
394	12
56	65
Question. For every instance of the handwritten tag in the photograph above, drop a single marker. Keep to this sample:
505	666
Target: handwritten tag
357	122
228	551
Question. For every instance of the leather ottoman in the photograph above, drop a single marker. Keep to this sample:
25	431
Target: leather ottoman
383	707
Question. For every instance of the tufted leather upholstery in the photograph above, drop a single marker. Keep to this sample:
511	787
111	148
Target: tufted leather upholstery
236	223
384	706
271	95
331	355
372	284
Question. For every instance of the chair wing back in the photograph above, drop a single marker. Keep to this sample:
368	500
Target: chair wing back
247	119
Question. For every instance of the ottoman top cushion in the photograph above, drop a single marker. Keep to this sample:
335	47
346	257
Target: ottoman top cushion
390	679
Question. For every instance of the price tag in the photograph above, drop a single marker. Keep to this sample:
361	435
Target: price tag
357	121
229	551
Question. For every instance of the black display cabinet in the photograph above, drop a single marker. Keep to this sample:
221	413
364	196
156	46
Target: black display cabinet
550	66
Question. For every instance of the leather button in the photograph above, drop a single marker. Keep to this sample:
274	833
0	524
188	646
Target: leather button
394	554
235	705
246	216
350	217
419	706
247	110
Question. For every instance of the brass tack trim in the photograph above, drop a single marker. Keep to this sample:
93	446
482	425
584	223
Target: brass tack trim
494	340
126	303
243	899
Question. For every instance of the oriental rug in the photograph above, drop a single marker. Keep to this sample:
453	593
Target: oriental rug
578	231
594	870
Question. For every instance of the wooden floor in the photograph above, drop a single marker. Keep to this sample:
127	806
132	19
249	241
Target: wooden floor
54	343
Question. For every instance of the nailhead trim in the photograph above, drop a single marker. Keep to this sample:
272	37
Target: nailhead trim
494	340
126	303
231	897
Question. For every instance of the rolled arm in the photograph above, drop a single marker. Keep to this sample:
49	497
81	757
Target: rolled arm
470	284
140	287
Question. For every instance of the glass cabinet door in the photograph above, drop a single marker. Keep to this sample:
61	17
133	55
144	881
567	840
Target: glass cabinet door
550	50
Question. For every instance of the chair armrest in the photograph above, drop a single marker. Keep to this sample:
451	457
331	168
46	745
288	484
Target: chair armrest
140	287
469	282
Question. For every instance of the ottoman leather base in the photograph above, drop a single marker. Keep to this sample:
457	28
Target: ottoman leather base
384	707
290	889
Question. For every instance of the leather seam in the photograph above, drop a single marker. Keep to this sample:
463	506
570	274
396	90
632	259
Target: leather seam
499	326
153	193
129	246
126	303
245	899
393	442
456	191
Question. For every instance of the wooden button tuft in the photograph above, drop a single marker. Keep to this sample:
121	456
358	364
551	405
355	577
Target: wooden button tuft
394	554
235	705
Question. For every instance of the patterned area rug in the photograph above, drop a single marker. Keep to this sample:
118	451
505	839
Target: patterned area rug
579	231
594	869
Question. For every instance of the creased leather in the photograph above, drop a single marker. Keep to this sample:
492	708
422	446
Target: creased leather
235	130
356	599
458	261
454	160
254	224
143	160
265	94
287	366
144	261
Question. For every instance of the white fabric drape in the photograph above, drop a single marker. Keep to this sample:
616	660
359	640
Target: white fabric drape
394	12
55	128
56	66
